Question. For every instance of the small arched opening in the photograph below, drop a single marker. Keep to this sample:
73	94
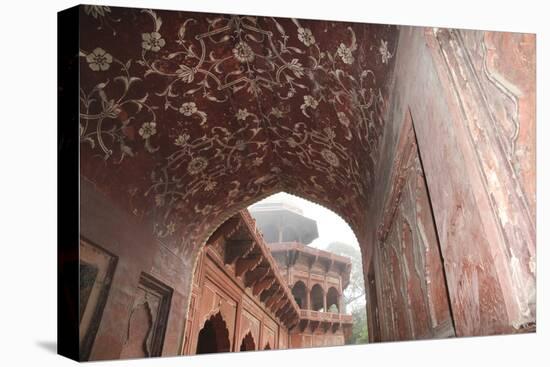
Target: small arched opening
333	300
248	343
267	347
214	336
299	291
317	298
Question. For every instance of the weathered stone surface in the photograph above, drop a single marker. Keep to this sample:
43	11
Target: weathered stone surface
471	97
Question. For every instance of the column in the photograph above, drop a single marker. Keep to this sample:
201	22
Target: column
324	301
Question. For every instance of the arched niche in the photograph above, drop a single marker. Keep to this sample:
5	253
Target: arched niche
299	291
317	296
333	300
214	336
247	343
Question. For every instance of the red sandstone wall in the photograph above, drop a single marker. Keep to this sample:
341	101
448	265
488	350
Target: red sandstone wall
216	289
411	300
137	252
471	98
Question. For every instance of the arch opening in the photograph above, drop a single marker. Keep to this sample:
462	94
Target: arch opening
317	298
299	291
214	336
310	298
333	300
248	343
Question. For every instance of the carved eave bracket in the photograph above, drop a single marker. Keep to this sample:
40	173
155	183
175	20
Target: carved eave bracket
255	266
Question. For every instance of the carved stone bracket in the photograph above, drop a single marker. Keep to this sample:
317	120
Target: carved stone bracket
237	248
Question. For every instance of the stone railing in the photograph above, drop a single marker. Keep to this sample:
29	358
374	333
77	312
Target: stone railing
326	316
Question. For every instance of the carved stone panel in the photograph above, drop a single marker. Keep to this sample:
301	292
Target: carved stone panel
148	319
250	325
413	294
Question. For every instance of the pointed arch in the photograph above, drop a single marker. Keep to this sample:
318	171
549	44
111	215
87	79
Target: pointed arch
356	228
247	343
333	300
233	210
214	336
299	291
279	188
317	297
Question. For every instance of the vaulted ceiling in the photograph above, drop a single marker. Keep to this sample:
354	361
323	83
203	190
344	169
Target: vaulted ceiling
187	117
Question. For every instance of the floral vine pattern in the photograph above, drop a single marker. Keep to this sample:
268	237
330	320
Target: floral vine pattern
103	16
186	117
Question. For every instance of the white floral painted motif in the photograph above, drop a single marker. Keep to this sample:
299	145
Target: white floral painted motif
309	101
243	52
205	210
159	200
210	185
186	73
242	114
296	68
170	228
96	10
330	157
152	41
330	133
181	140
345	54
102	14
344	120
292	143
257	161
276	112
148	129
383	49
286	162
197	165
305	35
101	106
99	59
240	145
188	108
280	74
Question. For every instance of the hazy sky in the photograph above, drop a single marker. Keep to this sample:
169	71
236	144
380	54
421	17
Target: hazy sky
331	227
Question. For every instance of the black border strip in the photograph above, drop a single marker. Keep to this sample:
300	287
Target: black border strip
67	183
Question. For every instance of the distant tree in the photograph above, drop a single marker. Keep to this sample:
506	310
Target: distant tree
360	331
354	294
